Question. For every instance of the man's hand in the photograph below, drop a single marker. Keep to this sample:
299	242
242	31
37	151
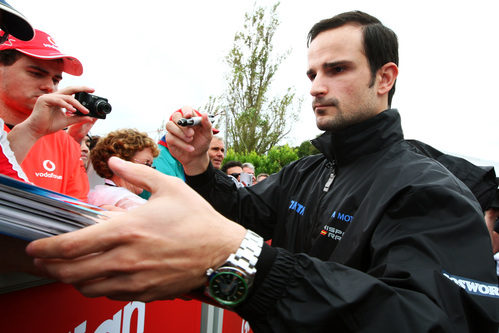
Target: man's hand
189	145
491	215
47	117
160	250
80	130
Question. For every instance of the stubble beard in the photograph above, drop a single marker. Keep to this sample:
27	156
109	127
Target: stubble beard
341	119
333	122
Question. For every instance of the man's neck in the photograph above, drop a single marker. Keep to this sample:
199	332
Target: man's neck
11	116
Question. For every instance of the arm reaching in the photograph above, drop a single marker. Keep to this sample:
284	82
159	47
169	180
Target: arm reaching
160	250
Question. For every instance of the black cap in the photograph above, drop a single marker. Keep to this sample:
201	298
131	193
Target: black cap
14	22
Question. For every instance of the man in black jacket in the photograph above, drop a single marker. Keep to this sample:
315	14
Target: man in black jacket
368	236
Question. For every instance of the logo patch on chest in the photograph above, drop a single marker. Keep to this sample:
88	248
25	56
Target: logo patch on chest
342	217
332	233
297	207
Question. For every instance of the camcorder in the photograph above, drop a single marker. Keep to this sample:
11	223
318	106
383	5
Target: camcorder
98	106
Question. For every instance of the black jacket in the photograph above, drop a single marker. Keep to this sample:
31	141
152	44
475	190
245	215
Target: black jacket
481	180
368	236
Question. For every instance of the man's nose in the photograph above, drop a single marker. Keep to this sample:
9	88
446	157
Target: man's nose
318	87
48	86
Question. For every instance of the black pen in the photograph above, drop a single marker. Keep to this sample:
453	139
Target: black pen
194	121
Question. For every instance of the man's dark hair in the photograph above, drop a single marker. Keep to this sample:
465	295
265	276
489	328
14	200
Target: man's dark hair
9	57
380	43
230	164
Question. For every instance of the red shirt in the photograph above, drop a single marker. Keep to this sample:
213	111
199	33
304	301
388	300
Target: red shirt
8	162
54	163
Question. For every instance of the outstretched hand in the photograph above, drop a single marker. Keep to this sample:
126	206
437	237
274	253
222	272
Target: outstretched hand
160	250
189	145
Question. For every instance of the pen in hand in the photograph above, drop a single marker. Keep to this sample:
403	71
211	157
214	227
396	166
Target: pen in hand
193	121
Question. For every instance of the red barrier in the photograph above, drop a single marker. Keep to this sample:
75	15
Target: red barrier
58	307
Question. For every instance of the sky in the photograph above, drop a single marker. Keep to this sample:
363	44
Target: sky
151	57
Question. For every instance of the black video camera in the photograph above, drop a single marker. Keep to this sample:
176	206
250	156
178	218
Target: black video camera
98	106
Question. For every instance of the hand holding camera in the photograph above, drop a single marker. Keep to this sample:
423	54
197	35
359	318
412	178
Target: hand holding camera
98	106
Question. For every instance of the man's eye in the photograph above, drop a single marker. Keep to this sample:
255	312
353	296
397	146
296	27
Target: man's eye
338	69
36	74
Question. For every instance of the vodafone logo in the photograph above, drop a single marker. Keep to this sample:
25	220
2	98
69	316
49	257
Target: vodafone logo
48	165
51	40
51	43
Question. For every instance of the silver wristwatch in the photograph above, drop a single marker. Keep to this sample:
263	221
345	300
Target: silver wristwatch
229	284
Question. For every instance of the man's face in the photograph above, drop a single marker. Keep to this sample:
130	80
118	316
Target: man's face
235	171
249	170
216	152
341	78
24	81
85	151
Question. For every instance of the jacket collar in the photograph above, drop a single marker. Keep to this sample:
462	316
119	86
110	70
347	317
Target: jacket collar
367	137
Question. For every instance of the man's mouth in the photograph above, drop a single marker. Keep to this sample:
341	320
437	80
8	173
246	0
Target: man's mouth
320	108
319	104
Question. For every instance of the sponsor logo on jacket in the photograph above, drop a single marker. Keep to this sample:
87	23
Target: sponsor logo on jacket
335	233
297	207
341	216
49	166
332	233
474	287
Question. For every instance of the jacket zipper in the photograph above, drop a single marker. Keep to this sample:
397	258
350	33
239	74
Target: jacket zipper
331	178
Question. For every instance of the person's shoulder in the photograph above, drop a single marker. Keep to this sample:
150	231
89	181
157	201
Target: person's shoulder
309	160
418	170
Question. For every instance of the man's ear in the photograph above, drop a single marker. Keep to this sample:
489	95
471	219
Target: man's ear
386	76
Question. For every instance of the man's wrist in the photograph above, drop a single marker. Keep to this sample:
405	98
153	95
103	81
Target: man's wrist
230	283
26	130
21	139
197	166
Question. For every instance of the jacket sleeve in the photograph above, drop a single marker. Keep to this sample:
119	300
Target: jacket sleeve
423	234
253	207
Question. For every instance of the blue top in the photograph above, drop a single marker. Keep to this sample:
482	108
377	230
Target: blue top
166	164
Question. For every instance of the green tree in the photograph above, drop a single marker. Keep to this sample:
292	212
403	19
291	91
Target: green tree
306	148
272	162
253	120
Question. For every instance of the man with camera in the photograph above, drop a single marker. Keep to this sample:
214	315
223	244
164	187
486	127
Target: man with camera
28	70
47	117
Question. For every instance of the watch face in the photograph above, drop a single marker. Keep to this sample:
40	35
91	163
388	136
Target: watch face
228	288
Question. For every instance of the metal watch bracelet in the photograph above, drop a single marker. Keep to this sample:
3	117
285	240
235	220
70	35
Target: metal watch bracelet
246	256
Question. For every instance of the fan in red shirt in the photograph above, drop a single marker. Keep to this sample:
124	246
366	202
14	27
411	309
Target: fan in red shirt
28	70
